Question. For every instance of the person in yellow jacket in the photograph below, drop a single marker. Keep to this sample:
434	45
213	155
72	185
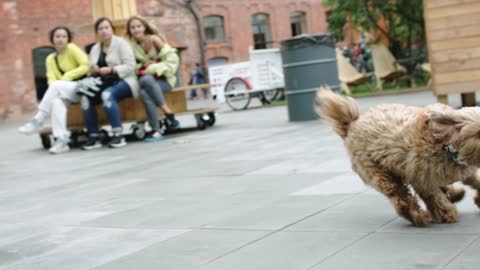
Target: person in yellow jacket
67	64
157	67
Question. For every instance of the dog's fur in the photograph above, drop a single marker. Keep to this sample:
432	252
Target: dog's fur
393	147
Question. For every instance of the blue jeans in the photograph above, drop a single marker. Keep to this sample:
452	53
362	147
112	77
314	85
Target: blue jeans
110	97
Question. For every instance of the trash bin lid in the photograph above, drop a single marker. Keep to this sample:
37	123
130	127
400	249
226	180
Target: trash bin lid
306	40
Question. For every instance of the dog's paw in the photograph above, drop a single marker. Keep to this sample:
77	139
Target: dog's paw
446	216
419	217
454	194
477	200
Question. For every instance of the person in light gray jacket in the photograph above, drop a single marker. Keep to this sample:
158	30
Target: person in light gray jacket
113	61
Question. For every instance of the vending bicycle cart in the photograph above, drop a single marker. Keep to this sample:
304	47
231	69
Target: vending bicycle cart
260	77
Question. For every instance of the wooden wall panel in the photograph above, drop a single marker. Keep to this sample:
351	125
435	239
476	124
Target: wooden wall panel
114	9
454	10
443	3
457	65
442	23
453	36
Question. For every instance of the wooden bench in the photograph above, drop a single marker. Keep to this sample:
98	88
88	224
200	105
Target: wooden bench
132	110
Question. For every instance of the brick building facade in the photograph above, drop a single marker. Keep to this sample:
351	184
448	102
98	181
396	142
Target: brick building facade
229	28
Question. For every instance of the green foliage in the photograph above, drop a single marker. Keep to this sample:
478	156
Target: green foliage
404	19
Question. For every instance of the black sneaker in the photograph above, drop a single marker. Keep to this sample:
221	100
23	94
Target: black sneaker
171	122
92	143
117	142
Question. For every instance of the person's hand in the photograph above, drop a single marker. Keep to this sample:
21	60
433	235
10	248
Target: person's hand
94	70
105	70
149	63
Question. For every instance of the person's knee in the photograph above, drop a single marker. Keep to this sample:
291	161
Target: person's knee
55	85
146	80
59	102
107	99
53	90
85	103
143	94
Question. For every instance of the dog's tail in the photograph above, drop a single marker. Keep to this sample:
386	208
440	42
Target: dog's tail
337	110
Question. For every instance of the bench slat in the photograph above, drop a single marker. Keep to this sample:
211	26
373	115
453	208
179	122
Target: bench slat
131	109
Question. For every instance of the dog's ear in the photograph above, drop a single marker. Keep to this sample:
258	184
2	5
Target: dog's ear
443	114
444	124
445	118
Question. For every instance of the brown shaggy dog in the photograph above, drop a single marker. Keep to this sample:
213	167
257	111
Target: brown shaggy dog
396	148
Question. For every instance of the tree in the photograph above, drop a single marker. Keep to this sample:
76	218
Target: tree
403	20
201	41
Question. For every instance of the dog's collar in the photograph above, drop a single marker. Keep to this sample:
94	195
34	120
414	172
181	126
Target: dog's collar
453	154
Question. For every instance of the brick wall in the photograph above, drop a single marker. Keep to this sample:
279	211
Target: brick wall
237	21
26	25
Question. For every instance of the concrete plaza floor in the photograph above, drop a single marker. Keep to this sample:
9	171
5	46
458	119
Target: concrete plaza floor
252	192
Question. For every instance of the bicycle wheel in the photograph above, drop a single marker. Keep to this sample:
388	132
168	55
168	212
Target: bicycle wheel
270	95
235	94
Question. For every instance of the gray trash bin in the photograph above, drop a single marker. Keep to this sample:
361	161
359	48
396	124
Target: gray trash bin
308	62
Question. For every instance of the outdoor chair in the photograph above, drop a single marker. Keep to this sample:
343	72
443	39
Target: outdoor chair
349	76
386	67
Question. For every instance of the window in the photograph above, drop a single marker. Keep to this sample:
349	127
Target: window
39	55
298	23
213	28
217	61
261	31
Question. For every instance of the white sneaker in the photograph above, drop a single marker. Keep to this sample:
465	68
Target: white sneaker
59	147
29	128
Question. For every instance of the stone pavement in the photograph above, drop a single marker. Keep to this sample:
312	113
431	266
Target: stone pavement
253	192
